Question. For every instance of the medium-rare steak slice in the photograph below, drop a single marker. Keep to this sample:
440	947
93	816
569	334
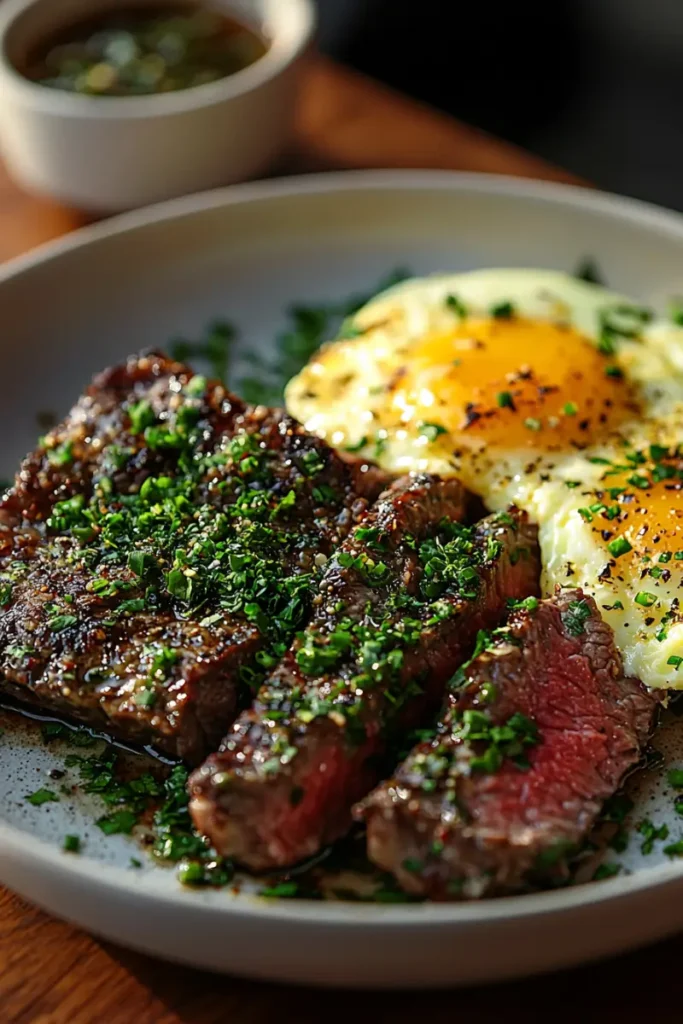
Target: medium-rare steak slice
399	606
538	731
159	549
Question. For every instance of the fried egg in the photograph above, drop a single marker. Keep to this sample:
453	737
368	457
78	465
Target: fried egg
539	389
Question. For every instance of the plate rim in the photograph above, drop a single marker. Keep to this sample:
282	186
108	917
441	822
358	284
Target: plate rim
16	842
637	211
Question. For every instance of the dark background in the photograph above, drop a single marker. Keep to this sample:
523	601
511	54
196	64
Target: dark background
593	85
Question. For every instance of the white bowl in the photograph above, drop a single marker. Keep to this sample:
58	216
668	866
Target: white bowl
106	154
248	253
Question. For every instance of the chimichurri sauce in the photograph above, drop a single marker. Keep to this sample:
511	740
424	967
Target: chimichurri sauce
144	51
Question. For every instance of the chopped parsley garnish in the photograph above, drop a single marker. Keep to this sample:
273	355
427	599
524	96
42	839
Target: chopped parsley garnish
358	446
214	347
118	822
617	808
674	849
619	546
282	890
620	321
675	778
505	400
502	311
308	327
59	622
588	271
604	871
501	741
637	480
432	430
456	305
651	833
42	796
575	617
62	455
619	841
527	604
72	844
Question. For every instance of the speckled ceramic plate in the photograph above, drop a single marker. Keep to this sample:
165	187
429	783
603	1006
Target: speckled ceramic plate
246	253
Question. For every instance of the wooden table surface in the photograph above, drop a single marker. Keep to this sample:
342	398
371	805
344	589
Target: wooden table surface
52	973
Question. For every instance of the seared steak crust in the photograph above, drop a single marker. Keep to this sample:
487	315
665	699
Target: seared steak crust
476	812
158	541
398	607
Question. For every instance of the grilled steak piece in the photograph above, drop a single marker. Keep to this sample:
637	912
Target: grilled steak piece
538	731
399	606
159	549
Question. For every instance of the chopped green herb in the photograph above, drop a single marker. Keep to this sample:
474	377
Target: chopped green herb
575	617
650	834
62	455
42	796
675	778
570	408
588	271
674	849
637	480
358	446
645	598
619	841
604	871
455	304
120	822
432	430
619	546
620	321
282	889
214	347
528	604
309	326
59	622
72	844
505	400
502	311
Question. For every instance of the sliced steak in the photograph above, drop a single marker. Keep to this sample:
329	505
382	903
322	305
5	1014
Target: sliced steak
158	551
399	605
538	731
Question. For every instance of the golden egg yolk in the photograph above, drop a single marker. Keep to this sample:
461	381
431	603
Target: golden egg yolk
514	383
648	514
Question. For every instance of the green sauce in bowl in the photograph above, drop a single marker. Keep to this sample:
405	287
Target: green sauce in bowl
145	51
